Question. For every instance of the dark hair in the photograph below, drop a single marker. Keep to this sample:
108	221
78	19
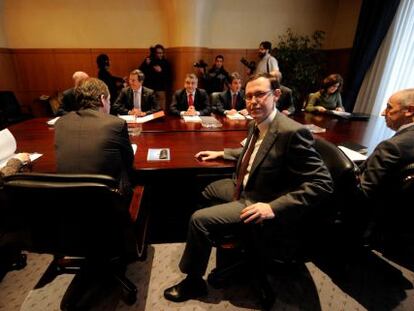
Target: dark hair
88	93
102	61
330	80
220	56
234	76
266	45
274	83
139	74
159	46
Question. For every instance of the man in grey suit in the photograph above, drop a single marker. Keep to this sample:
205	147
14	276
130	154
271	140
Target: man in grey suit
190	101
92	141
380	174
283	179
136	99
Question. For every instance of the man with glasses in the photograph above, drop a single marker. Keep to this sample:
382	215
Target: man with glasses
279	176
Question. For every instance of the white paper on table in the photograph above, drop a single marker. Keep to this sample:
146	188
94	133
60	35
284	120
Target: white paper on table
236	116
353	155
128	118
192	119
53	121
144	119
8	147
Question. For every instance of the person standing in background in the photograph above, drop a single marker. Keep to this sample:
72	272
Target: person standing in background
157	71
267	62
112	82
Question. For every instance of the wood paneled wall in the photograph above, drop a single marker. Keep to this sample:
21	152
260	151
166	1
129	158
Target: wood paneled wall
34	72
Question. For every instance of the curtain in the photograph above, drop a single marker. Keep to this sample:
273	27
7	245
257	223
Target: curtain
374	21
392	69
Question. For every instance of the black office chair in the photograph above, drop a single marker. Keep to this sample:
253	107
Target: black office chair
318	225
10	111
78	216
214	98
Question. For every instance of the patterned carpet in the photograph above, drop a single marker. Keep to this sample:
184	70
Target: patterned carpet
373	283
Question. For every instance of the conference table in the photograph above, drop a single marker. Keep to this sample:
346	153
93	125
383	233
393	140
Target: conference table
172	187
185	139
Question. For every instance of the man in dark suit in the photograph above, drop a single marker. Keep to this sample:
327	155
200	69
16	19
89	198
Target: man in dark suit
136	99
285	103
280	177
190	101
232	101
380	174
68	102
92	141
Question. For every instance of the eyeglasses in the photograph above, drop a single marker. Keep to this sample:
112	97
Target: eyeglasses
260	95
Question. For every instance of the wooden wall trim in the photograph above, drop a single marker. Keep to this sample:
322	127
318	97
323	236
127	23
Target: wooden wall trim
34	72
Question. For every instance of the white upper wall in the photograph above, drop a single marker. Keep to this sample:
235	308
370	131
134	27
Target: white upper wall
141	23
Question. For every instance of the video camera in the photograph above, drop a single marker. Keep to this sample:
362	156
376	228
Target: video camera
200	64
251	65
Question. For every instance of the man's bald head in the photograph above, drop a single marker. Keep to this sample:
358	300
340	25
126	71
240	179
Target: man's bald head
78	77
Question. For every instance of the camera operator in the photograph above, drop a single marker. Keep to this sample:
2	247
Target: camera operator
216	77
157	71
250	66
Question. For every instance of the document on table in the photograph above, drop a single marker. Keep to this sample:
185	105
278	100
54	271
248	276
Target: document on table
236	116
134	148
8	148
353	155
133	119
192	119
158	154
52	121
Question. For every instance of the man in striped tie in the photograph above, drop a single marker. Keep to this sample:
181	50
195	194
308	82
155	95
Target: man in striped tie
279	177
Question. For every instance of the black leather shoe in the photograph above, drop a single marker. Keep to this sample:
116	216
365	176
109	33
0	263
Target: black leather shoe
186	289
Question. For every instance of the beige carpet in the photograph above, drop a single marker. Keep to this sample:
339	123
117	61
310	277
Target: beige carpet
372	284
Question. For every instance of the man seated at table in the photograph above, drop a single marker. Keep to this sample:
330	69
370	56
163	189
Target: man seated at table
92	141
136	99
68	102
280	176
380	175
190	101
285	103
232	101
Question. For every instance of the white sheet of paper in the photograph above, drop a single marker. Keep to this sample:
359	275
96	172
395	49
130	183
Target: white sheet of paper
146	118
192	119
134	148
53	121
236	116
128	118
353	155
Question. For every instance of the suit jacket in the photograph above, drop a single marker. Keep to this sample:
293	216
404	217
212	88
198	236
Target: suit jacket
201	102
68	102
285	101
380	173
287	172
224	101
89	141
125	101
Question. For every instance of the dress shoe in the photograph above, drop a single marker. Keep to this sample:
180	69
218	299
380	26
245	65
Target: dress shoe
188	288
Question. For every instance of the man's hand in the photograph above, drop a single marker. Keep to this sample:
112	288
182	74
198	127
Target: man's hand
137	112
285	112
244	112
23	157
257	212
320	109
339	109
231	112
209	155
157	68
190	111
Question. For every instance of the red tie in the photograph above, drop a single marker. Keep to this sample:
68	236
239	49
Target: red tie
245	163
190	100
234	101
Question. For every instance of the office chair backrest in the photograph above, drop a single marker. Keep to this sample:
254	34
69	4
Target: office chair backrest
74	215
214	97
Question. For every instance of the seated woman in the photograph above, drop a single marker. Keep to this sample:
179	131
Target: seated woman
328	97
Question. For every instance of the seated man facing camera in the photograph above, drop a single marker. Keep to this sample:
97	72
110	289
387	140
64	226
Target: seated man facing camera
136	99
279	177
92	141
190	101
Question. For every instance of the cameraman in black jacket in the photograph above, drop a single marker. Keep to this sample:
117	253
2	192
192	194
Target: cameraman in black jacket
157	71
216	77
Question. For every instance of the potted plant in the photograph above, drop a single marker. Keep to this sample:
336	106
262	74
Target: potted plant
302	62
